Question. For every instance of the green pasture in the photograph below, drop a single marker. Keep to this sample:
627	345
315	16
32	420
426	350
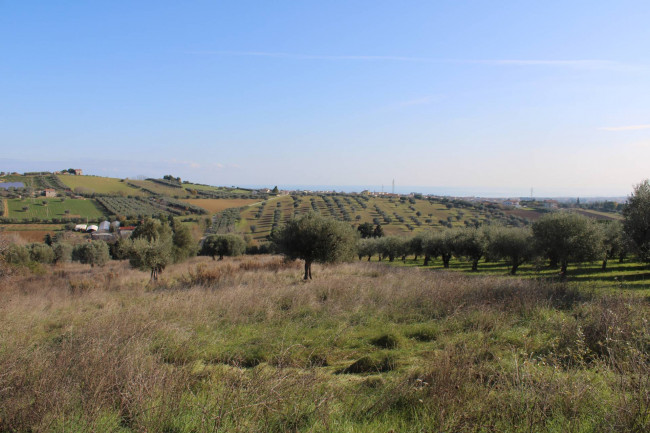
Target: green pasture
53	208
100	185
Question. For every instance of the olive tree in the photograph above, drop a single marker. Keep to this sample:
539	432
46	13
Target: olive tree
62	252
183	243
470	243
315	238
614	242
637	220
41	253
392	246
367	247
223	245
567	237
150	255
515	245
93	253
440	244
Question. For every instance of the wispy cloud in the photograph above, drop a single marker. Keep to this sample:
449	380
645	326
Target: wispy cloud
625	128
579	63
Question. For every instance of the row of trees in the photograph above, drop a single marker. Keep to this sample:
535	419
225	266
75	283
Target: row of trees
562	238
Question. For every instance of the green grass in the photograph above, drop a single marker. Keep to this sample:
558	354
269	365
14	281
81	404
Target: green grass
55	208
628	276
100	185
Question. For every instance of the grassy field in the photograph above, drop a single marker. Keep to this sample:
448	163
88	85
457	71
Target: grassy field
100	185
214	205
243	345
629	276
55	208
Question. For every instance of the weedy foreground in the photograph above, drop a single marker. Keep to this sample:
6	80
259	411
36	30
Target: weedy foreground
244	345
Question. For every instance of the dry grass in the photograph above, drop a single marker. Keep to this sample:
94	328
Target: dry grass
214	205
245	345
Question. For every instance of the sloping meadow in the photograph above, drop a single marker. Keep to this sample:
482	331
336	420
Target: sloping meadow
244	345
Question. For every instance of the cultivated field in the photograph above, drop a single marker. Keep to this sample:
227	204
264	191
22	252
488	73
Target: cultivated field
243	345
397	217
54	208
214	205
100	185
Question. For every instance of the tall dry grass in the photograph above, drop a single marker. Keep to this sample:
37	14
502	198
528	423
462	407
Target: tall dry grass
245	345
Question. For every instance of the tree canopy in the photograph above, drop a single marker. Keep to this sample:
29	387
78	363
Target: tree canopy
315	238
637	219
223	245
567	237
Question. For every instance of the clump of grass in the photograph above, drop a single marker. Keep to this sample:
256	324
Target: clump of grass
371	364
386	341
423	333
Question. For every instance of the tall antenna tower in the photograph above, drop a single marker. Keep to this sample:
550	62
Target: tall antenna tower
393	186
531	193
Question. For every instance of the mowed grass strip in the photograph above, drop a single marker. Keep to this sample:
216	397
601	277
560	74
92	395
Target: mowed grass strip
54	208
98	184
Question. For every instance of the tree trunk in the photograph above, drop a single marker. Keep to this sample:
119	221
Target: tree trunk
307	270
553	262
391	258
220	256
563	269
605	263
445	260
369	256
403	259
426	260
475	265
515	266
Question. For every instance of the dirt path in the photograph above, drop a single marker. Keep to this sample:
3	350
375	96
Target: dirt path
5	207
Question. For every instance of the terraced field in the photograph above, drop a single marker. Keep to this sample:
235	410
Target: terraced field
214	205
148	187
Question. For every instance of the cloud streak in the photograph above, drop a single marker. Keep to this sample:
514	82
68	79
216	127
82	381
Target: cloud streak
625	128
579	63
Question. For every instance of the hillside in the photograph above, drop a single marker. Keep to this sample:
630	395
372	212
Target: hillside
94	198
399	216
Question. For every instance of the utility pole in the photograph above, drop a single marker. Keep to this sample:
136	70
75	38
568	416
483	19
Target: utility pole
393	186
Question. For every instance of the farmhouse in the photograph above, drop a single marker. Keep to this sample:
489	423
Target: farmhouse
78	172
50	192
551	204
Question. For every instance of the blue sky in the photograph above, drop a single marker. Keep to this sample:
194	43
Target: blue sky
452	94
